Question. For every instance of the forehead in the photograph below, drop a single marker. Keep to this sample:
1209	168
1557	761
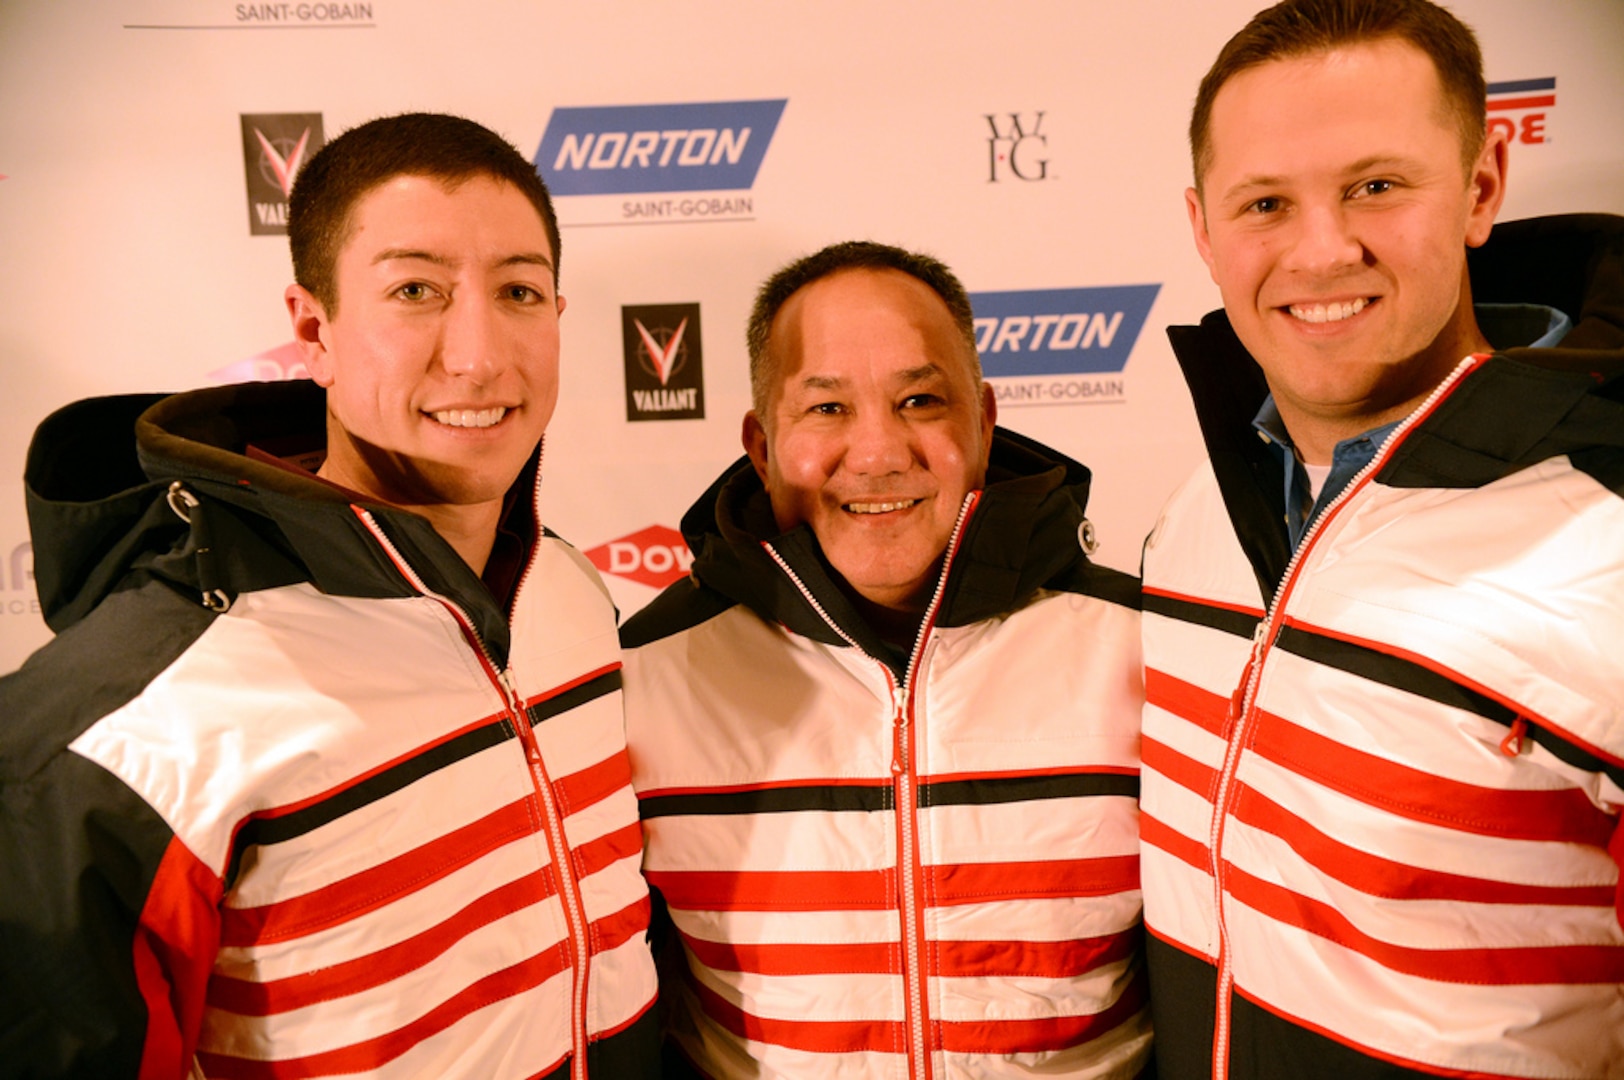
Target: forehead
864	322
1309	109
473	216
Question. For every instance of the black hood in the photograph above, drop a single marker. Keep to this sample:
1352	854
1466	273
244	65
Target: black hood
1023	534
103	518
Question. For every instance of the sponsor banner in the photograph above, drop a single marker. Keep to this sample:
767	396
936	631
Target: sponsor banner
274	147
277	15
1017	149
1059	346
665	374
643	149
272	365
655	556
17	595
1521	108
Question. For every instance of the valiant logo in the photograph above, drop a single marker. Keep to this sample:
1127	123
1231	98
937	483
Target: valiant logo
664	368
19	582
1059	346
638	149
274	147
1528	101
655	556
1015	146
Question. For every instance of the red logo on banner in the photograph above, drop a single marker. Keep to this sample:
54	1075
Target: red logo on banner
655	556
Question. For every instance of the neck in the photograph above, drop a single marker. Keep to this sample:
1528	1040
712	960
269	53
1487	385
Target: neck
894	625
470	530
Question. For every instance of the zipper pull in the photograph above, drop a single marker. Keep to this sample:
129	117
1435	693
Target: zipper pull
1516	741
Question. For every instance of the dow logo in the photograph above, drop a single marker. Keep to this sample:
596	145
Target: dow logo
1521	108
1017	147
665	376
1059	346
274	147
634	149
655	556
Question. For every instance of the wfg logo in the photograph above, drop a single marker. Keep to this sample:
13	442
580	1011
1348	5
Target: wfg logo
1016	147
665	377
1059	346
1528	100
626	149
655	556
274	147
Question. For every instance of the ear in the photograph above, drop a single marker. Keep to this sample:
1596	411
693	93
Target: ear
1486	188
1198	226
310	322
754	437
561	303
989	418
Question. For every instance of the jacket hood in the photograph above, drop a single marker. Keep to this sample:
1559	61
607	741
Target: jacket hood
103	514
1023	532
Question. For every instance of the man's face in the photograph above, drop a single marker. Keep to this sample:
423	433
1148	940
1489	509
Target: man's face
441	363
1335	220
876	429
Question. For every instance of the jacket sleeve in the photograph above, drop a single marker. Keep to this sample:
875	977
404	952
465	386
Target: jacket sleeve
108	927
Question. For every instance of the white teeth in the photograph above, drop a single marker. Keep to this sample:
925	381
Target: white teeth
879	508
1317	313
475	418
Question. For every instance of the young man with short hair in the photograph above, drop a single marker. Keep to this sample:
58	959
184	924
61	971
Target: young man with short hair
1384	762
885	736
325	773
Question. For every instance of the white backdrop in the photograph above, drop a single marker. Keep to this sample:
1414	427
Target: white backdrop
127	263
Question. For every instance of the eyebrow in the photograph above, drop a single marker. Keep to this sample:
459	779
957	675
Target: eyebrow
523	258
835	382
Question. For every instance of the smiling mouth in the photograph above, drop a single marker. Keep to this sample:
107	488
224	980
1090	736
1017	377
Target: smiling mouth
1324	313
879	507
471	418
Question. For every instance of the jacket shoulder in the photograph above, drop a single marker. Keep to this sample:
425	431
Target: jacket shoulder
682	606
1100	582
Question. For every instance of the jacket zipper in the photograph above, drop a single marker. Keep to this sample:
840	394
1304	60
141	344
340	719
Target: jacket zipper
905	791
569	888
1243	704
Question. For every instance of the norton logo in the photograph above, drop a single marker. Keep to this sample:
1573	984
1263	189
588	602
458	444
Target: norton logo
664	368
272	365
274	147
655	556
1059	346
1528	101
630	149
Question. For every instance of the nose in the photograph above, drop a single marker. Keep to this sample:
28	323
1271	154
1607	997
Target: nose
470	341
1322	241
879	443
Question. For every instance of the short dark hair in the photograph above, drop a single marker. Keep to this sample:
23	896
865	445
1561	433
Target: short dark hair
450	149
849	255
1302	27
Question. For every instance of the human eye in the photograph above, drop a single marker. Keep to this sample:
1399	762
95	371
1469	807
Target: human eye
1366	188
415	292
520	293
923	400
825	408
1268	204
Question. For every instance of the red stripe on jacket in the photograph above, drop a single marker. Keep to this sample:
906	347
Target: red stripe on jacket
176	939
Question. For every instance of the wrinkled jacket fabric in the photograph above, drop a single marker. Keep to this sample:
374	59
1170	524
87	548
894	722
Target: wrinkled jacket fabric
1396	759
289	793
888	867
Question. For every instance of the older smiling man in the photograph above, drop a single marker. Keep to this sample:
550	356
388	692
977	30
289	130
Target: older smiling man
884	739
